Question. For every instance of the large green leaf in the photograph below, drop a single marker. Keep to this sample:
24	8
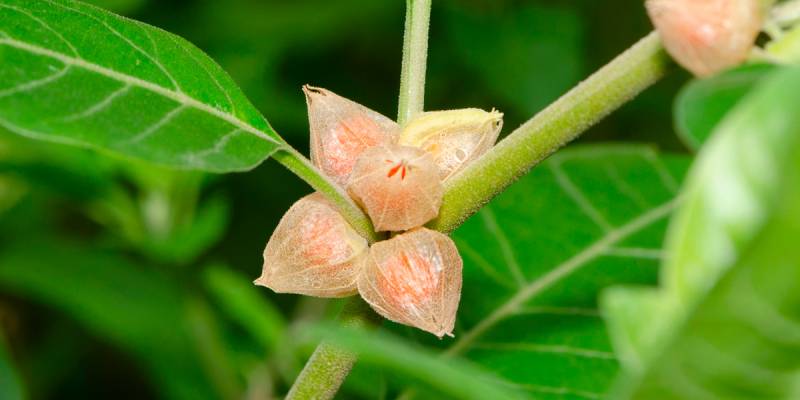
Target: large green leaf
537	256
119	6
725	323
703	103
133	308
743	341
245	304
458	379
10	383
73	73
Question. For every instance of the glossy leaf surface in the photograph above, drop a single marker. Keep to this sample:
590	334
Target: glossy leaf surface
537	256
76	74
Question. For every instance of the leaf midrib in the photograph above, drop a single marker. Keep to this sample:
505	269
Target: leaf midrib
562	270
177	96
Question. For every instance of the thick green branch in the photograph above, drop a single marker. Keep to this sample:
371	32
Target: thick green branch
415	58
605	91
329	365
302	167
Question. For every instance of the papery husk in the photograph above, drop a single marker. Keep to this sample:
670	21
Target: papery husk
707	36
341	130
414	279
455	137
313	251
398	186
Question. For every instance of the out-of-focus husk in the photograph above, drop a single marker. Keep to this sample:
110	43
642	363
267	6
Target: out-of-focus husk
707	36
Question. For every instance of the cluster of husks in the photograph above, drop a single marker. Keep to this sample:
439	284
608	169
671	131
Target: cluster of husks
707	36
395	174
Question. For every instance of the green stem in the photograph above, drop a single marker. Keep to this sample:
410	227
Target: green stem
302	167
605	91
609	88
328	367
415	58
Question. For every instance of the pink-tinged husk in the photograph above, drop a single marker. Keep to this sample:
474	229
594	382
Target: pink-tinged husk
341	130
707	36
398	186
454	137
414	279
313	251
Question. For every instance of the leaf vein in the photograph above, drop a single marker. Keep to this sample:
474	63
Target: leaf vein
481	262
31	85
663	173
635	252
578	197
490	222
45	26
126	40
218	147
224	91
547	348
116	75
166	119
560	271
625	188
99	106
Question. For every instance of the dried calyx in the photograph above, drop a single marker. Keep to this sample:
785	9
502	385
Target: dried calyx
396	175
398	186
341	130
707	36
454	138
313	251
414	279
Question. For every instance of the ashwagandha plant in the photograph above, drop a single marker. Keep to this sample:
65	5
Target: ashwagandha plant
388	193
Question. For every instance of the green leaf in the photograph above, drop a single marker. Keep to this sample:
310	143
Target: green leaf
456	378
702	104
131	307
10	384
73	73
537	256
119	6
190	239
725	323
245	304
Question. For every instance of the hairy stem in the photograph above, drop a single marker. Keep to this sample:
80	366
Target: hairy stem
605	91
302	167
415	58
329	365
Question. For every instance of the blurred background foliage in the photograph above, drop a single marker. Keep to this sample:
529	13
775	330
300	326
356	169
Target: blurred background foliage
125	280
